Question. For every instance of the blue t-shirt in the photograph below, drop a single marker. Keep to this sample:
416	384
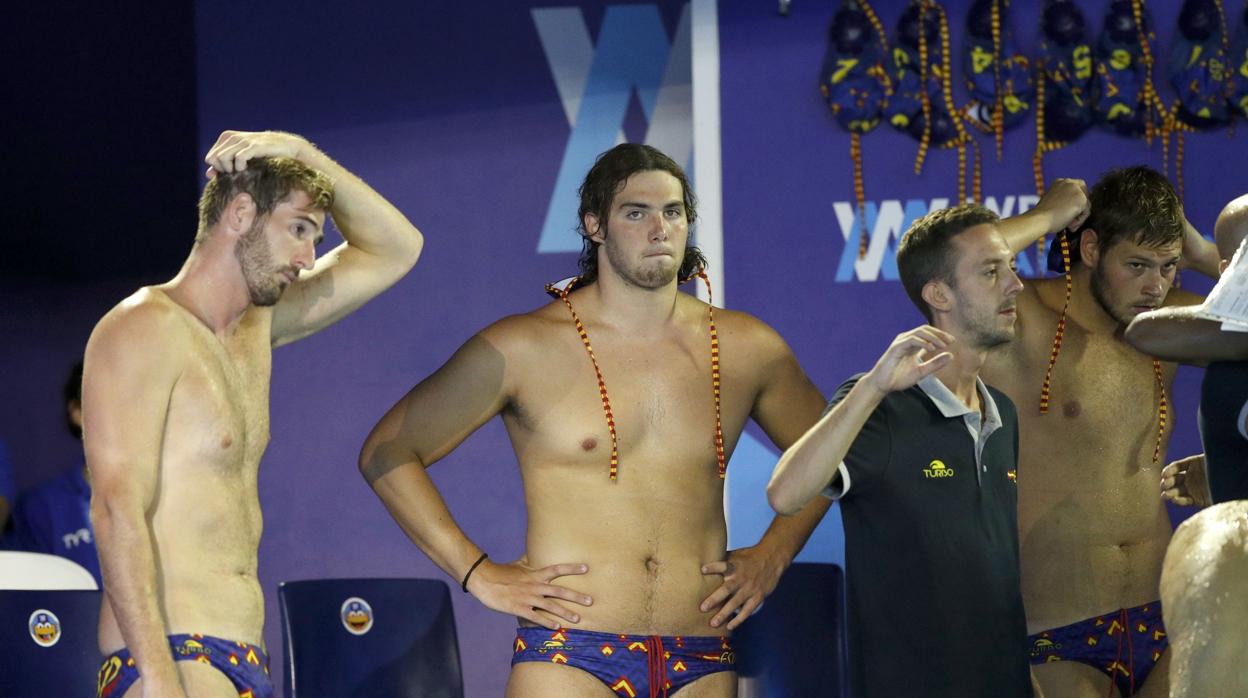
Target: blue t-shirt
55	518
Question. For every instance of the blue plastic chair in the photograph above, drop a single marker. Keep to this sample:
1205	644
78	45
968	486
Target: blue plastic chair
48	641
795	646
369	637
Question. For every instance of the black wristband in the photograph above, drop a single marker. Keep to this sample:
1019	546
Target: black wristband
464	584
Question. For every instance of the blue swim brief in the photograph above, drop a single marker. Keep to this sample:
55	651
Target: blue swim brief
246	666
630	665
1125	645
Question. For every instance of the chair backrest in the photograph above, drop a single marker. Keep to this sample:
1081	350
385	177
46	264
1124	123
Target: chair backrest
795	645
19	570
48	641
369	637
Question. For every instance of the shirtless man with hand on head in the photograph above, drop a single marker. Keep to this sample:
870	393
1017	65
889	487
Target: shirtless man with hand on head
1179	333
612	398
1092	529
176	409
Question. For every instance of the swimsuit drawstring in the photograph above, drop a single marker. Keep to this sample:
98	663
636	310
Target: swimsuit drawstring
658	666
1117	666
1130	648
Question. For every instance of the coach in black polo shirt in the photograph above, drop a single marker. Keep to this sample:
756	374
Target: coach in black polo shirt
922	456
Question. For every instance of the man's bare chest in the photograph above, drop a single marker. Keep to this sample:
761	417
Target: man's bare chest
663	399
219	409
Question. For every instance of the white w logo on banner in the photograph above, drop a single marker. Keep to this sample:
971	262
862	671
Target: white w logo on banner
595	84
888	220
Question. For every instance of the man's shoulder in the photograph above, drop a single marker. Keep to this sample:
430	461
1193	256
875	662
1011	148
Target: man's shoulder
748	332
890	399
147	333
525	332
147	310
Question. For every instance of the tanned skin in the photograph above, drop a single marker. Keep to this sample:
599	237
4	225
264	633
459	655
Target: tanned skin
645	554
1092	530
176	408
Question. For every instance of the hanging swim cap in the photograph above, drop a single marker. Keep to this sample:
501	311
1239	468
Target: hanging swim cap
1123	100
1198	67
998	76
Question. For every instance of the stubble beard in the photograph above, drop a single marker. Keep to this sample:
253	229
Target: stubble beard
983	331
642	275
985	335
1098	286
256	261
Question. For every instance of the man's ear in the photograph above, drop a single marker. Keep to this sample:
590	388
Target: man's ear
937	295
1089	247
593	229
239	214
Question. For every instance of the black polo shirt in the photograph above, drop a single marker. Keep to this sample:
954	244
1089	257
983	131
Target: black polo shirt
1223	408
931	547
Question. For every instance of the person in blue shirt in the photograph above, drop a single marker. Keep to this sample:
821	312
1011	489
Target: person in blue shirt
54	517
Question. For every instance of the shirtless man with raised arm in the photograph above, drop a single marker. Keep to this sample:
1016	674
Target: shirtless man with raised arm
1092	529
1179	333
176	409
625	557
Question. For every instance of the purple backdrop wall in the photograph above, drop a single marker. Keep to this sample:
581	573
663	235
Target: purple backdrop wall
452	112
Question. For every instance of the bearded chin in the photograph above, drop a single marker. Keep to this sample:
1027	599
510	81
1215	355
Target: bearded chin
648	277
264	295
654	278
1098	286
256	263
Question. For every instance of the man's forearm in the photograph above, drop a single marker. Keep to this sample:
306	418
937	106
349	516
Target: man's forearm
367	221
1177	333
123	540
1199	254
1064	205
1026	228
416	505
809	465
786	535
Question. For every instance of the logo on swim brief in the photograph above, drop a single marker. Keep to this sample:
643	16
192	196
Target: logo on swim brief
108	674
1043	646
45	627
357	615
937	469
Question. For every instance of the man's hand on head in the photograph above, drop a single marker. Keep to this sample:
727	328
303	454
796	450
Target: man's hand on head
1184	482
1065	204
234	149
750	574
